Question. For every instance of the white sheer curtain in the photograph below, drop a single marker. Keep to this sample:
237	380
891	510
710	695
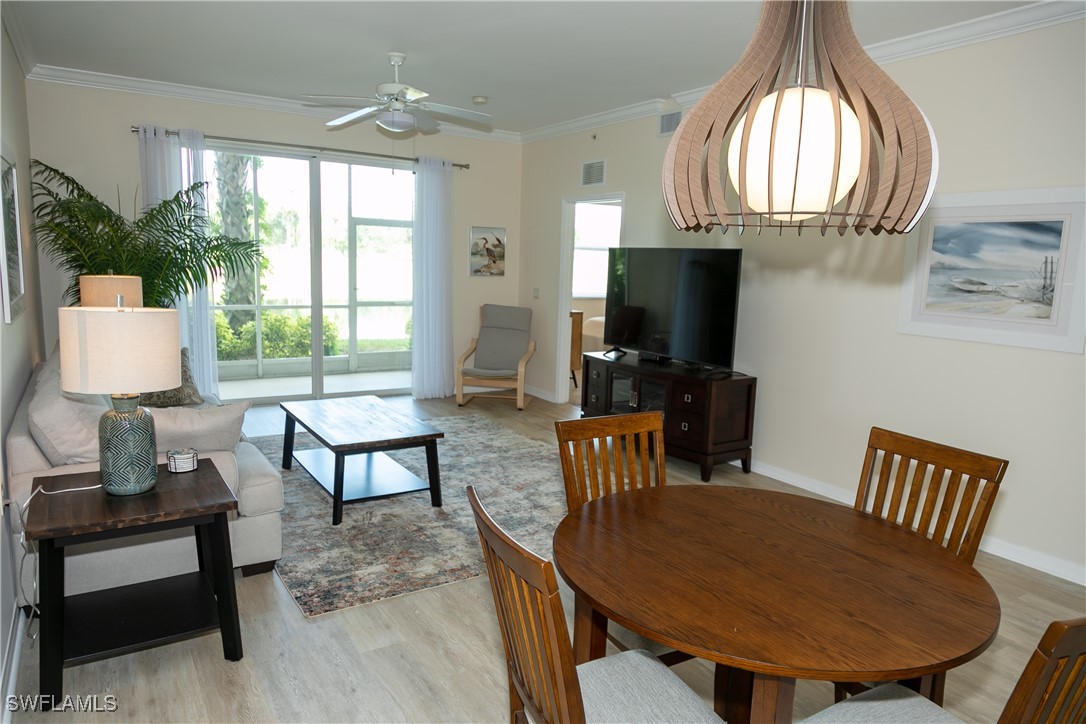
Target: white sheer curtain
169	163
431	349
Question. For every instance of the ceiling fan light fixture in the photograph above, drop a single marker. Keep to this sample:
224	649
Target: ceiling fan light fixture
396	121
805	131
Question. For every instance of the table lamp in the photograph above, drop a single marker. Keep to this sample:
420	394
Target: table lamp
103	290
121	351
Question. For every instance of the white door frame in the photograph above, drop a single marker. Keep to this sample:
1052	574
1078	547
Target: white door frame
563	325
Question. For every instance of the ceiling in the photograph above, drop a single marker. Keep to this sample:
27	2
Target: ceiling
542	64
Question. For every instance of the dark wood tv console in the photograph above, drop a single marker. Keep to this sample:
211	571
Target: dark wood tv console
708	416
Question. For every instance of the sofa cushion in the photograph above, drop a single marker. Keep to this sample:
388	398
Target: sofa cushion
63	424
209	428
186	394
260	485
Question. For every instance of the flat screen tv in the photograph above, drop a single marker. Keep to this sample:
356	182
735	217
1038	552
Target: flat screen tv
670	303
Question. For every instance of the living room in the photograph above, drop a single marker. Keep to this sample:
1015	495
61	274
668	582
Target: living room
819	316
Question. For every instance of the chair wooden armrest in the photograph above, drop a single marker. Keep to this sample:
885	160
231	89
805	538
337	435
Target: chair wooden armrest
462	360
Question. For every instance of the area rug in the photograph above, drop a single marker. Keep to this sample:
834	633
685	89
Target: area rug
397	545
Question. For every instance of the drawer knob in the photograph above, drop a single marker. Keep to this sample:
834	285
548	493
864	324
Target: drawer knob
595	398
595	374
684	426
686	398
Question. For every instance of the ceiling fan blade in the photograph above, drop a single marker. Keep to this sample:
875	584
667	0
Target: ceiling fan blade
412	94
364	99
423	120
354	116
454	112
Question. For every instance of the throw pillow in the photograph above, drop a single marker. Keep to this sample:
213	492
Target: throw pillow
211	428
186	394
64	424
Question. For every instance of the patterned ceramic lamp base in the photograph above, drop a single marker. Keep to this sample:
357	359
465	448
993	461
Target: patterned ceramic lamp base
126	443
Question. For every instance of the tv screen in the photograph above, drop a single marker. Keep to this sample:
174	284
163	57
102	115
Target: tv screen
674	303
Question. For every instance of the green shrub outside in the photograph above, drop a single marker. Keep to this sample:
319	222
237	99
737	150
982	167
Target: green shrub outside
288	337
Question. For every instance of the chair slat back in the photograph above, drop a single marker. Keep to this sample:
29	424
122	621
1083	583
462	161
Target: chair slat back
941	492
542	674
1052	687
609	454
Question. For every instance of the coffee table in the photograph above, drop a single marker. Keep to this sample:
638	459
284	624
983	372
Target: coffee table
354	432
96	625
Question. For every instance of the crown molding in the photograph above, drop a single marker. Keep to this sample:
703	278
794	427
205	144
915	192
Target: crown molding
106	81
1019	20
14	25
991	27
619	115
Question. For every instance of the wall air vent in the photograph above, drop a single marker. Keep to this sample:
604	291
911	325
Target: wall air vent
669	122
592	173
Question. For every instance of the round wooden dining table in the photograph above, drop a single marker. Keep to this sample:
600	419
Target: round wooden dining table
773	587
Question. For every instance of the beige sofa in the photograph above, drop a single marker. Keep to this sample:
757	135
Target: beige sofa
55	433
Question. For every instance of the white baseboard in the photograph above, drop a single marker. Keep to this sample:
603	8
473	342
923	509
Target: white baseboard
11	660
1067	570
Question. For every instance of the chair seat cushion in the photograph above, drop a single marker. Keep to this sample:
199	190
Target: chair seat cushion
491	374
885	703
630	640
634	686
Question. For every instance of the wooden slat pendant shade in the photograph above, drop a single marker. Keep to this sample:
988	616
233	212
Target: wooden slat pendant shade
808	45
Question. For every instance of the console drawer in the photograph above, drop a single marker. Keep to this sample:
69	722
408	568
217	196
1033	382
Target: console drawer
689	397
682	425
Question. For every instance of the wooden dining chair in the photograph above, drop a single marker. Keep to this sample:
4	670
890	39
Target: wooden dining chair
943	493
1052	688
609	454
544	683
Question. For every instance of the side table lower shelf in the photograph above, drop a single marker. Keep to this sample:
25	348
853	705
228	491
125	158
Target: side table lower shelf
140	616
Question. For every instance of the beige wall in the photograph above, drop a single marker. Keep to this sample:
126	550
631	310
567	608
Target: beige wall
86	133
818	316
20	341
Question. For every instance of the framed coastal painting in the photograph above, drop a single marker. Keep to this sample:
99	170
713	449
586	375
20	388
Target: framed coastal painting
1000	267
13	282
486	251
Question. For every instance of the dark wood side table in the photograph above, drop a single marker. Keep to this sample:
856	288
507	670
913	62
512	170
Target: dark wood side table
97	625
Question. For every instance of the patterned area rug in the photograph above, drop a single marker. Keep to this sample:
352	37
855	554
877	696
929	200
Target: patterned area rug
397	545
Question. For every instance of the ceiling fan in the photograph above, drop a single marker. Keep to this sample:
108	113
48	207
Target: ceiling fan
399	107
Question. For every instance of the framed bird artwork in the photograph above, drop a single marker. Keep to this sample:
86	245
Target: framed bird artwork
486	251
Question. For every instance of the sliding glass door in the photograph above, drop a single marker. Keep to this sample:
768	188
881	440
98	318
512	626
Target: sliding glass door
349	222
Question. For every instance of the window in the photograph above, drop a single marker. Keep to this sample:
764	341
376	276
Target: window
596	228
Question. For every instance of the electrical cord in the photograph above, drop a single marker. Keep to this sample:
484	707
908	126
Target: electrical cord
27	546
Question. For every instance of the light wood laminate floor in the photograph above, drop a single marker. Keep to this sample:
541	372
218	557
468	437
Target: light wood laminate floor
436	655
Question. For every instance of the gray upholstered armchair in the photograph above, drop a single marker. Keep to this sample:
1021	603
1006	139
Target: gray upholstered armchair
501	352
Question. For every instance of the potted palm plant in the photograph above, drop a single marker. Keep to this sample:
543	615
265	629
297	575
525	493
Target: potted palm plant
169	245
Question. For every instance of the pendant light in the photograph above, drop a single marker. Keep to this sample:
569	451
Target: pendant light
805	131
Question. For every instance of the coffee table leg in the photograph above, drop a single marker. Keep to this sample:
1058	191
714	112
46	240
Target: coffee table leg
288	442
433	474
337	490
222	571
51	656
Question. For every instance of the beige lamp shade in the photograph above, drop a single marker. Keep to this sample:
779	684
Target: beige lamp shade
111	350
102	290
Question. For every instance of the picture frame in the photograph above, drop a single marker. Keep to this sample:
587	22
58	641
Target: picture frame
486	251
1000	267
13	282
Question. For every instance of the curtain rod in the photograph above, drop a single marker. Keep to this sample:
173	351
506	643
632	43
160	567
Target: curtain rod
318	149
